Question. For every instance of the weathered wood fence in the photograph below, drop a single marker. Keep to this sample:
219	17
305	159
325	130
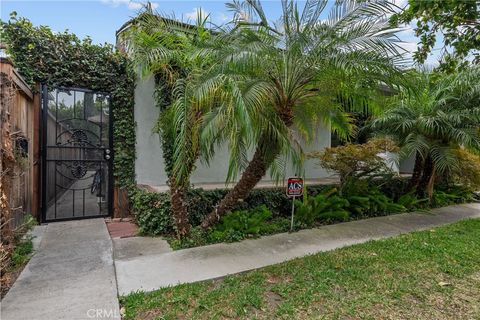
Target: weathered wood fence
19	165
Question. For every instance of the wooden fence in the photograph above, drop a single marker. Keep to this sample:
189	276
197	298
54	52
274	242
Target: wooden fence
19	166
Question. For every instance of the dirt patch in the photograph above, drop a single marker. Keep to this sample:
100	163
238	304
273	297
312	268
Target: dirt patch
8	279
273	299
150	314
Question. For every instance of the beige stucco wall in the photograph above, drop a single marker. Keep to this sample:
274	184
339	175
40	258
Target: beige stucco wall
149	166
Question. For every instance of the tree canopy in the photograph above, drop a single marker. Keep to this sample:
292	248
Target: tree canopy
458	22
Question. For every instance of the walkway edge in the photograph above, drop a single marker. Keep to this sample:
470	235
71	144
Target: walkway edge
70	276
151	272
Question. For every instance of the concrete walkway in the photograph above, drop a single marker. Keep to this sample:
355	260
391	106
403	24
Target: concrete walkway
71	276
152	271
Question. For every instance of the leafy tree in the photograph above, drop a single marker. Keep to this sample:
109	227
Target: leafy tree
457	20
290	71
434	122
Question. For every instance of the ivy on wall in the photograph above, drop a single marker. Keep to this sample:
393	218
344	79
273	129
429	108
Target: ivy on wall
62	59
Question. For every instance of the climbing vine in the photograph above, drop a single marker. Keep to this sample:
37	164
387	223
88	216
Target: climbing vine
62	59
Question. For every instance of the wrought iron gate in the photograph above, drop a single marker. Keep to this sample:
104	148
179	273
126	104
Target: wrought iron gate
76	154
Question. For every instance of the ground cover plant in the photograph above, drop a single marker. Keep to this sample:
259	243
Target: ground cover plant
432	274
267	211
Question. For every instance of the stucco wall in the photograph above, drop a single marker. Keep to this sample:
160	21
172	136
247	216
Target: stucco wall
149	166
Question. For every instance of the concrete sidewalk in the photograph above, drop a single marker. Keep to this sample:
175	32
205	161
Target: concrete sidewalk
152	271
71	276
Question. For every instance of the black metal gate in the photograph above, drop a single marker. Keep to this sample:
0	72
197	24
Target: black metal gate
76	154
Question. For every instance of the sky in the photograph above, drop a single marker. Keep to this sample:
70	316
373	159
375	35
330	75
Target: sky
100	19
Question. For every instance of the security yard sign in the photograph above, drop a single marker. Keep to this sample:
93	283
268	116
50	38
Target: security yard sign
294	187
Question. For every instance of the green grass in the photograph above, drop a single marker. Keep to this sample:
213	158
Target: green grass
431	274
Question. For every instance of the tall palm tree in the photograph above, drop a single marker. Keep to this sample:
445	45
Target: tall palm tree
164	48
292	68
442	115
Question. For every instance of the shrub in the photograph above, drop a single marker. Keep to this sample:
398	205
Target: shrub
239	224
449	195
235	226
467	172
152	212
356	160
326	206
411	201
393	187
366	199
201	202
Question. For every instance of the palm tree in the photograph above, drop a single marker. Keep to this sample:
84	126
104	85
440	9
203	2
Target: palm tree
164	48
289	71
442	115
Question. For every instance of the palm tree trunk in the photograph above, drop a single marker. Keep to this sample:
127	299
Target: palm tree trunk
430	184
425	181
254	172
179	211
417	172
265	153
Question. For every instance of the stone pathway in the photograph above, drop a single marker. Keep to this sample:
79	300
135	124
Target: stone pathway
152	270
71	276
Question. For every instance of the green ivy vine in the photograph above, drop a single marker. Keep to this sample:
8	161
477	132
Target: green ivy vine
62	59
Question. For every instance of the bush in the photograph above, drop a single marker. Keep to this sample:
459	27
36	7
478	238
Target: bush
326	206
411	201
152	212
448	195
467	172
235	226
353	161
366	197
393	187
201	202
239	224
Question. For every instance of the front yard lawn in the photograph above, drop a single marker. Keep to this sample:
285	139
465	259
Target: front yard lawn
432	274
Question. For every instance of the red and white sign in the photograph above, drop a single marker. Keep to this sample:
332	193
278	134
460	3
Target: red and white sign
294	187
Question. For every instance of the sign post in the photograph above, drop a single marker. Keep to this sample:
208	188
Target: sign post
294	189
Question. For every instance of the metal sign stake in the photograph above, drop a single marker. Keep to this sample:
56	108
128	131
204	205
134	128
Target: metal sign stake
293	211
294	189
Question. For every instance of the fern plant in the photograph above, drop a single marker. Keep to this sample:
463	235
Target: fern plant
326	206
239	224
411	201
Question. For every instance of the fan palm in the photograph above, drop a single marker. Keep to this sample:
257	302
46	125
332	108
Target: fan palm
442	115
288	72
